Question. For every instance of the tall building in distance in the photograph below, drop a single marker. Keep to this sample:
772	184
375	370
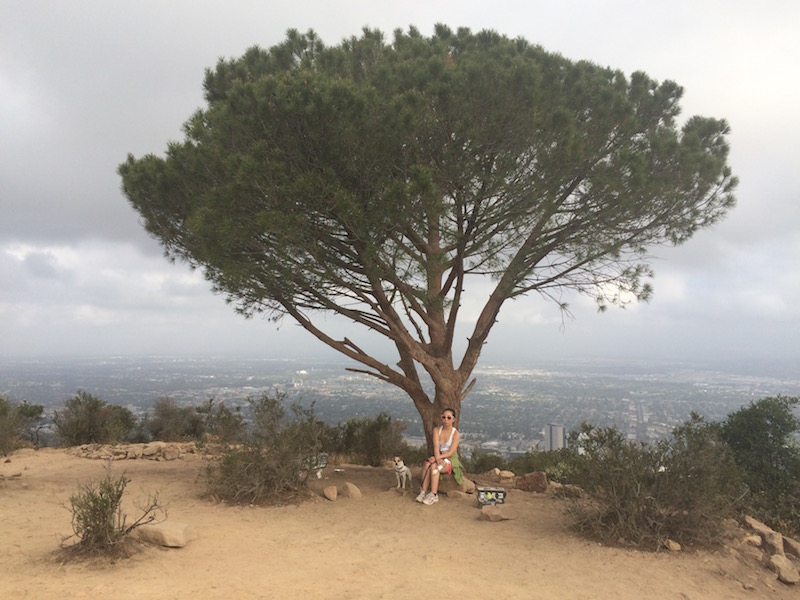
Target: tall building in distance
554	437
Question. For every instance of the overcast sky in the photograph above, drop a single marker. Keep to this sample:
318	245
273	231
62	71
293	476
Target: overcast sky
82	83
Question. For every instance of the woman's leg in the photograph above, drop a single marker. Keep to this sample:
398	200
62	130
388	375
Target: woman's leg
426	473
434	480
426	478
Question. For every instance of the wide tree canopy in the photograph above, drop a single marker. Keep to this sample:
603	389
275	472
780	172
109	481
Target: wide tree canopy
373	179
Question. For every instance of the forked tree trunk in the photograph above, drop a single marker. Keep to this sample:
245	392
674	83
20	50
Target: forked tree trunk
431	412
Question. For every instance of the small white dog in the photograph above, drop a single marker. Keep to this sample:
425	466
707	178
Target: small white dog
402	472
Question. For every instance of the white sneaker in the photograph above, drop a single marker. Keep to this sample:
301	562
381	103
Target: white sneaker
421	496
431	499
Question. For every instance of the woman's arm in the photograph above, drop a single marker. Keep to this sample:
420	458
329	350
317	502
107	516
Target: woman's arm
436	444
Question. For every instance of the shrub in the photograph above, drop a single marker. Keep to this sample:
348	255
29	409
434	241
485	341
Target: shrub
482	461
19	425
268	465
760	437
171	423
226	425
98	521
642	495
87	419
368	440
556	464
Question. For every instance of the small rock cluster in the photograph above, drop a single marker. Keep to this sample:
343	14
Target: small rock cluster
775	548
346	490
149	451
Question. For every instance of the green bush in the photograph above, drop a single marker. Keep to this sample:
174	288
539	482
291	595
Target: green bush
368	440
226	425
268	465
761	438
483	461
642	495
172	423
19	425
98	522
87	419
556	464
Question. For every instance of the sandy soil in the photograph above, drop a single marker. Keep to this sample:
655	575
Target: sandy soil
382	545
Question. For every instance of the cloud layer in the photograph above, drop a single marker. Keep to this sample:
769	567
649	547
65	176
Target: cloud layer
84	83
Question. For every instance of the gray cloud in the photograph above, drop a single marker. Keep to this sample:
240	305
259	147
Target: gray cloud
84	83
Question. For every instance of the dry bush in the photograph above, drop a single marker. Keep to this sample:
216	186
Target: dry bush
268	465
98	522
642	495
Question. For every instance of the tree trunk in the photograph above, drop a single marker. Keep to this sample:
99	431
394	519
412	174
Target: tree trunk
431	412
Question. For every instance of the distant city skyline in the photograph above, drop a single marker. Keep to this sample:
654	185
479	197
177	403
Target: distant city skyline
509	408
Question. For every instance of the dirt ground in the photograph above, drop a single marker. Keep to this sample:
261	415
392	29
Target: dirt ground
382	545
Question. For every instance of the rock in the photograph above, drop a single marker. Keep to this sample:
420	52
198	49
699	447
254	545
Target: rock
168	534
773	543
753	540
758	526
447	484
349	490
171	453
498	512
330	492
153	449
506	475
533	482
791	547
672	546
787	572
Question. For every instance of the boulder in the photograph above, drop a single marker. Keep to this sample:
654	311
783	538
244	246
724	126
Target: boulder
787	572
168	534
535	481
758	526
506	476
672	546
791	546
330	492
171	452
773	543
153	449
350	490
447	484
